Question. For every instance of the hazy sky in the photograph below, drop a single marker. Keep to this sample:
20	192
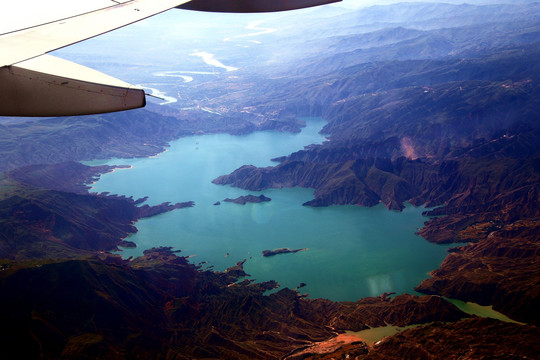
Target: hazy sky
23	13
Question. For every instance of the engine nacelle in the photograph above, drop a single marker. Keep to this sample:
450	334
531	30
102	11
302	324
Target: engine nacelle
251	6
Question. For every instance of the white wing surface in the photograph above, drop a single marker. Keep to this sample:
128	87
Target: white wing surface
33	84
28	43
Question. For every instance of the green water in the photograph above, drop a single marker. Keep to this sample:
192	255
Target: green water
372	335
353	252
481	310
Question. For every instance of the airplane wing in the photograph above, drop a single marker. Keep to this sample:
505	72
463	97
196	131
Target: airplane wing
33	83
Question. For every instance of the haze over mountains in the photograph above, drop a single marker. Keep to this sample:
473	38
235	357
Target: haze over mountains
427	103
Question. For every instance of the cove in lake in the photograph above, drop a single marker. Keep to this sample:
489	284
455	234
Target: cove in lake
353	252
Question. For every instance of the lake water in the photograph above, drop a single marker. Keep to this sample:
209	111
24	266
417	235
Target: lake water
353	252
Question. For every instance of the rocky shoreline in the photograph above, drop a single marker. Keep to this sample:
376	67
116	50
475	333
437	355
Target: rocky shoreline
95	222
161	298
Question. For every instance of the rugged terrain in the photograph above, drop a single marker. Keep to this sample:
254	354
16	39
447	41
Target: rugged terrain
160	306
460	136
69	298
60	219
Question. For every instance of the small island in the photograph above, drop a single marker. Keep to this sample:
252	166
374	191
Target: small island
127	244
242	200
148	211
280	251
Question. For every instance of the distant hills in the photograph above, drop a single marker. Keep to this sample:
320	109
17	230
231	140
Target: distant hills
135	133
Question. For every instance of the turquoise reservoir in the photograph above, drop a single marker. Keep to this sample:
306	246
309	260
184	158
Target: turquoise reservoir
352	252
